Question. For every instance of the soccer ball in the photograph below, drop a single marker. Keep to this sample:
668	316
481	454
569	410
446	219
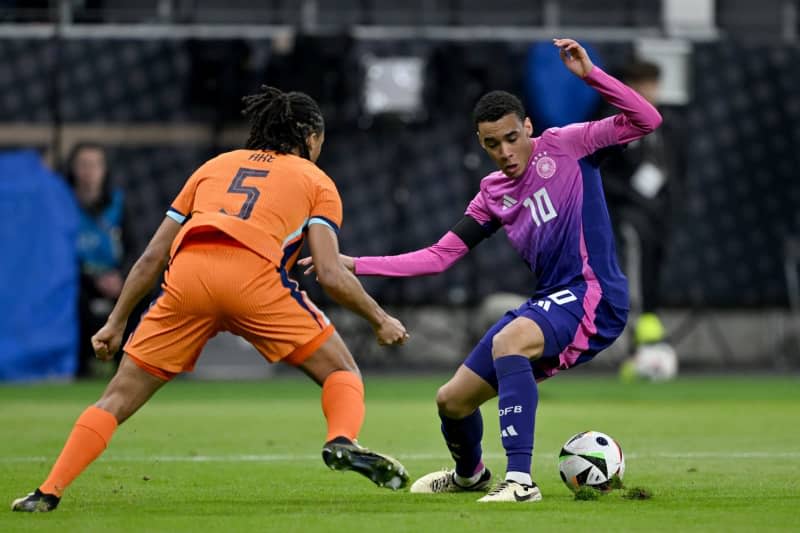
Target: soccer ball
656	362
590	459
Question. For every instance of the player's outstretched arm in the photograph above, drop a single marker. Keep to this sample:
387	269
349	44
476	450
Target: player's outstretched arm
434	259
140	280
638	117
454	245
344	287
431	260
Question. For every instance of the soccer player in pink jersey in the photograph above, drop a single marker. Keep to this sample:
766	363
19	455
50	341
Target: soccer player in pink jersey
548	197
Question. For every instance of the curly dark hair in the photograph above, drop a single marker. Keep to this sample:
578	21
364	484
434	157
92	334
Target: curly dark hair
281	121
495	105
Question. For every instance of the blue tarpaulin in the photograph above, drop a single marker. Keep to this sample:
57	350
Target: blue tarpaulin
554	95
38	271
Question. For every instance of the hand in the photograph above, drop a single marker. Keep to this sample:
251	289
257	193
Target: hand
107	340
109	284
391	331
347	262
574	57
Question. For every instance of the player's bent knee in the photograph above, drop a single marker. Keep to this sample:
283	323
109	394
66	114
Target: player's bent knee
451	404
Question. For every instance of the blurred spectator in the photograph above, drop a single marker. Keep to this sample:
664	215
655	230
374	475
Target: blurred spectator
641	183
100	249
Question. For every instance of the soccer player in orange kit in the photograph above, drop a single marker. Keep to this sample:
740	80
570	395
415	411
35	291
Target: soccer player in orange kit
230	238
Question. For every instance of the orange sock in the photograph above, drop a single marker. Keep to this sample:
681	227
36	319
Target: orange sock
88	439
343	404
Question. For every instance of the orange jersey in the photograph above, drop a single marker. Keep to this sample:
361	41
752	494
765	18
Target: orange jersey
262	199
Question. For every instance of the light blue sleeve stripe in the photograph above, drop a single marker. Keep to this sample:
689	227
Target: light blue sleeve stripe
293	235
315	220
177	217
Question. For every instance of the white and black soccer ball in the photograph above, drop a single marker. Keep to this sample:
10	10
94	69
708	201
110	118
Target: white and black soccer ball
656	362
590	459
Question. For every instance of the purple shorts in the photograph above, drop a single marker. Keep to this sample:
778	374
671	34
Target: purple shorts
573	335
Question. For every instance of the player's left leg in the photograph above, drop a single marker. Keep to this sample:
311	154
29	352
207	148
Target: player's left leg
513	348
128	390
548	335
168	340
284	325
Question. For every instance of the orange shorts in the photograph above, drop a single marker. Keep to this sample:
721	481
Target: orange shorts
216	284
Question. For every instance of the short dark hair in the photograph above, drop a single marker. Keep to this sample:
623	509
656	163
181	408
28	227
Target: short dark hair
281	121
495	105
640	71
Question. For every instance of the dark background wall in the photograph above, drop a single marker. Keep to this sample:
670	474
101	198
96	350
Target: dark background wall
405	183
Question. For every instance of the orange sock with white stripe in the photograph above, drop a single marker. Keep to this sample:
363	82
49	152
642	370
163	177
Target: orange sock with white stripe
88	439
343	404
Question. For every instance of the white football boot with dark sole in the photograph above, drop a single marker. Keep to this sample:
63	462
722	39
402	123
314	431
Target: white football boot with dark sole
511	491
445	481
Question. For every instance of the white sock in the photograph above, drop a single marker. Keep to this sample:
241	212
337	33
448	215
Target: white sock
467	481
519	477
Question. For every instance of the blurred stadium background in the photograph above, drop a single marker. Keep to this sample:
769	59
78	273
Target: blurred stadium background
158	83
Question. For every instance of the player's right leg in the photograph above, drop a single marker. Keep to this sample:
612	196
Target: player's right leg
332	366
458	402
127	391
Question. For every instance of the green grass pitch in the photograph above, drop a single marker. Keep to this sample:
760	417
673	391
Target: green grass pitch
718	454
